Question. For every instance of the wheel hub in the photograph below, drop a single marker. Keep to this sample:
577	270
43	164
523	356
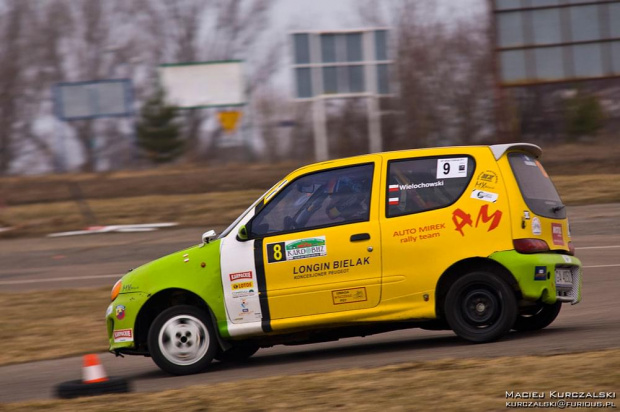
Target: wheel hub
183	340
480	307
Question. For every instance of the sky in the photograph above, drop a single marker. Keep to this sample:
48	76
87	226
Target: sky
339	14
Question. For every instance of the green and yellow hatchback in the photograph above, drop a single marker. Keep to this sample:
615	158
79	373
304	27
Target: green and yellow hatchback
474	239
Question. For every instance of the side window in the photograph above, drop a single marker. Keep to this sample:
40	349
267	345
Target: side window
418	185
331	197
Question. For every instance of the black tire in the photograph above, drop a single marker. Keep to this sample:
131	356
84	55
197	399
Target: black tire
237	353
182	340
76	388
538	317
480	307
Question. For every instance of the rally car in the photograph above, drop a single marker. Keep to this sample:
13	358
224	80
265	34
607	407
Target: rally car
473	239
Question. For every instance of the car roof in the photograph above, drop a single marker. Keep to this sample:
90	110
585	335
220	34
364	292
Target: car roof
498	151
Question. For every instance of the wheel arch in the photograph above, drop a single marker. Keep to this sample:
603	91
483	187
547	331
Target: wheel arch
450	275
161	301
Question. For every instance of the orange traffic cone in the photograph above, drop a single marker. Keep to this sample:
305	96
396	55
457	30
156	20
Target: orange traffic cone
92	370
94	382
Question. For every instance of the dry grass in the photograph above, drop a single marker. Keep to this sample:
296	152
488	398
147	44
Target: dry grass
464	385
219	208
59	324
588	189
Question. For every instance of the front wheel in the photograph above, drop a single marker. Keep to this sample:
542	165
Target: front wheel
538	317
182	341
480	307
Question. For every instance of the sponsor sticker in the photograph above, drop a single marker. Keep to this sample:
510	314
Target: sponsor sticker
240	275
540	273
129	288
451	168
567	259
123	335
462	219
120	312
486	180
242	285
556	231
486	196
244	306
349	296
296	249
536	226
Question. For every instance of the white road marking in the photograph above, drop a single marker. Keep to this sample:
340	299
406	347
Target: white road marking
602	266
597	247
65	279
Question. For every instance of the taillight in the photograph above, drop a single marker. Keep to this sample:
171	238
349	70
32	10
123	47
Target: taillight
530	245
571	249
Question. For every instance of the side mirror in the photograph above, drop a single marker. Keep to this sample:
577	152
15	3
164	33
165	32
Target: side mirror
242	234
208	236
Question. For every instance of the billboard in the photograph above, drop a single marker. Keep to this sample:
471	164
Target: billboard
204	84
93	99
340	63
548	41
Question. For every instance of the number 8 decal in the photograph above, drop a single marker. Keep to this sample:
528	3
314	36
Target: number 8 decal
275	252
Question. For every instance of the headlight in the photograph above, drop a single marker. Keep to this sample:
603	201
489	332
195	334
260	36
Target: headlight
116	289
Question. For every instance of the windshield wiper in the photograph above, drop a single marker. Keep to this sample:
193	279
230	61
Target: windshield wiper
556	209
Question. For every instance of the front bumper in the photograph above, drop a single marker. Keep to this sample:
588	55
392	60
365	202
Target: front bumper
121	317
544	276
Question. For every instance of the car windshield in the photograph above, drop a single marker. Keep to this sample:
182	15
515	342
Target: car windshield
537	189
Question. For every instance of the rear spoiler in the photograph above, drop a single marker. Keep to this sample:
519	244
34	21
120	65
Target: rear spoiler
499	149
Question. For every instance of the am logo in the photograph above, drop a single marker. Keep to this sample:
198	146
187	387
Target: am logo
462	219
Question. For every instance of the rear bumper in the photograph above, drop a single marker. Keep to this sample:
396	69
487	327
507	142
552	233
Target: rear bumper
544	276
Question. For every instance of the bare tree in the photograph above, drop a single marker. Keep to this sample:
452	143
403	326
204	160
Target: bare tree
442	74
205	30
83	40
12	30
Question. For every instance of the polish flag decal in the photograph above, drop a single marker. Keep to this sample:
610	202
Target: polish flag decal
393	201
393	188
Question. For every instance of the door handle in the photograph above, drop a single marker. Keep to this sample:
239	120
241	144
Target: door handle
360	236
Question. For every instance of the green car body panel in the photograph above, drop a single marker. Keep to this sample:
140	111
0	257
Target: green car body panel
196	270
523	267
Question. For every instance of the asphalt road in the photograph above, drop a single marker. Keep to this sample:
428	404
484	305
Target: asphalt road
97	260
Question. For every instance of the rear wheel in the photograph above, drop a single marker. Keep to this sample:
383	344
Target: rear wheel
238	353
538	317
182	341
480	307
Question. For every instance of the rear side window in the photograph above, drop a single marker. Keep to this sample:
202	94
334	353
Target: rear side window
536	187
418	185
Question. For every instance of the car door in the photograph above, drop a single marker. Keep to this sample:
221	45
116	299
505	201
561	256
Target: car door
319	239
